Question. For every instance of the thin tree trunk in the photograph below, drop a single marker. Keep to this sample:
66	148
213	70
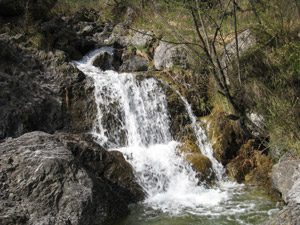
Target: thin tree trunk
236	42
203	27
255	12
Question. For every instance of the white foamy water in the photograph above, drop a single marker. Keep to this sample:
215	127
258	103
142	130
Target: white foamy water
202	141
133	118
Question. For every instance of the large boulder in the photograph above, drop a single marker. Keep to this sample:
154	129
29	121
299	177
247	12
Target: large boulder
63	179
168	55
286	179
36	8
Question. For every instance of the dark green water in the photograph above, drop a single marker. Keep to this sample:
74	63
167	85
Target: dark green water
249	205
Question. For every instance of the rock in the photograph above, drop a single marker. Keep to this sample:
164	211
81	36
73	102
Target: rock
63	179
288	215
225	135
167	55
37	9
61	37
81	109
200	163
119	35
87	30
41	91
135	63
251	165
178	114
246	40
104	34
142	39
26	106
258	128
129	16
108	59
286	179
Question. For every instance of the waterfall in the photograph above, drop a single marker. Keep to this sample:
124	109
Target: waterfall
133	119
203	142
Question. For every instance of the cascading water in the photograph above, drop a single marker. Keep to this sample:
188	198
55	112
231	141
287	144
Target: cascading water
133	118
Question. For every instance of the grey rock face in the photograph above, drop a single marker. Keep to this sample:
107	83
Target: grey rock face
286	179
39	90
141	40
167	56
288	215
246	40
63	179
27	101
134	63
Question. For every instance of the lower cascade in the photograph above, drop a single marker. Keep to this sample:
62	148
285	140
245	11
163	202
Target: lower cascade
133	119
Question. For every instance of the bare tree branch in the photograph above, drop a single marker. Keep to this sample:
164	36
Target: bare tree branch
236	42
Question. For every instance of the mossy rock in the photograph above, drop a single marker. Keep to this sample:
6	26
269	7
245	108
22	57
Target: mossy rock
225	135
200	163
202	166
261	173
251	166
189	147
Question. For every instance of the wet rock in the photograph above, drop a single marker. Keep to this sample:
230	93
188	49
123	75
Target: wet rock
81	109
108	60
225	135
135	63
167	55
200	163
63	179
178	114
